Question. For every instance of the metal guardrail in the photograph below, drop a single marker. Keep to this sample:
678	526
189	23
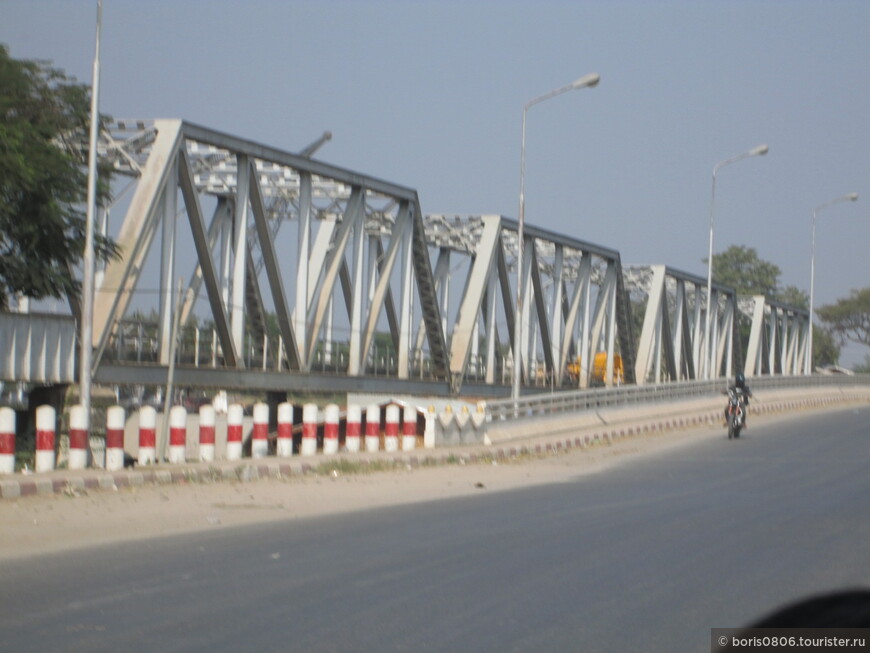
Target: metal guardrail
578	401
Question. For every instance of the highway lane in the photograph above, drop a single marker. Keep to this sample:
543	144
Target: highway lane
647	556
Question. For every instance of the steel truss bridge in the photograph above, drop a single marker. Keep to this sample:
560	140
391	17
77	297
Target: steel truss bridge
252	267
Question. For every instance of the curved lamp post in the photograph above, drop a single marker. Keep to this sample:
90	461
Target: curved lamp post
851	197
710	351
586	81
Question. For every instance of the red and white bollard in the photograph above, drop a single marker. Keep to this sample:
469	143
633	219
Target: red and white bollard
235	420
284	446
78	437
330	430
45	425
309	430
206	433
373	428
7	440
115	419
177	434
147	435
391	429
260	434
353	429
409	429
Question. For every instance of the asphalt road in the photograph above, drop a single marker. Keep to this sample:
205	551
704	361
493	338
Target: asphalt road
644	557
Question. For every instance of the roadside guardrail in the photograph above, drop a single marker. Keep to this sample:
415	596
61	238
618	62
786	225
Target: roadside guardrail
533	406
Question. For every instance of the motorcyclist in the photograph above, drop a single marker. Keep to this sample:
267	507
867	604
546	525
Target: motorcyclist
739	385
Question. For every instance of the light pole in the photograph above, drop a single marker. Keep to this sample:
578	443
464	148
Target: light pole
586	81
709	350
851	197
86	344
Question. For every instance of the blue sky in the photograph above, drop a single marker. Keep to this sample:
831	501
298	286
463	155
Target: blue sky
430	95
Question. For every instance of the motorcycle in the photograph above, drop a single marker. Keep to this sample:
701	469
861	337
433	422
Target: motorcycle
735	412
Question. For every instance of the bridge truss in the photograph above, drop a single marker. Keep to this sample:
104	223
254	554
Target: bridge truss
350	293
277	271
672	344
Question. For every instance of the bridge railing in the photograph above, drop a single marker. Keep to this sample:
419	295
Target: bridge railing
533	406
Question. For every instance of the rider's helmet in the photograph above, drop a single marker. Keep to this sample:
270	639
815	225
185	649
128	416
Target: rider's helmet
739	380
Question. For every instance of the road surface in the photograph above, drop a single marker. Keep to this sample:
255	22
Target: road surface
646	556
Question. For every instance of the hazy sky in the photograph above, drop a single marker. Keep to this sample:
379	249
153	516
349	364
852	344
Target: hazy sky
430	95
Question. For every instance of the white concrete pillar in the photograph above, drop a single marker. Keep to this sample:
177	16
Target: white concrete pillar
147	435
116	416
285	430
309	430
373	428
353	429
391	428
78	437
177	434
429	432
235	419
330	430
7	440
409	429
260	435
206	433
45	426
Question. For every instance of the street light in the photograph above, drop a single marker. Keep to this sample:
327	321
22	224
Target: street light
710	351
851	197
589	80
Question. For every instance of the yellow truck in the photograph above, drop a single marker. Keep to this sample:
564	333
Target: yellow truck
599	369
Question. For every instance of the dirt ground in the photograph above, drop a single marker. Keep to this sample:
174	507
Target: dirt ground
52	523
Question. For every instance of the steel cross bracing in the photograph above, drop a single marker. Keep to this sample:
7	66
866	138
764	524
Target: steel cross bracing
778	339
671	345
355	246
350	290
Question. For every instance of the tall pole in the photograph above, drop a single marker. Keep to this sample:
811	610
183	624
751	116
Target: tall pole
589	80
709	349
851	197
86	344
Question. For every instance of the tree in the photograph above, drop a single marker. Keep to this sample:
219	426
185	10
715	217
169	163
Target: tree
44	116
740	268
849	318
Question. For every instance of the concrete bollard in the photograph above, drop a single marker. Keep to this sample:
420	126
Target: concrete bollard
78	437
260	435
206	433
45	424
115	418
373	428
353	429
309	430
235	419
7	440
330	430
177	434
429	432
391	429
285	430
409	429
147	435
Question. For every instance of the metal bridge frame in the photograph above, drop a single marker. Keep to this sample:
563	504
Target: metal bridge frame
362	244
671	345
778	339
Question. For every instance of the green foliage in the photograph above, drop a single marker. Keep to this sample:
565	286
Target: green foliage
825	349
849	318
793	296
740	268
43	180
